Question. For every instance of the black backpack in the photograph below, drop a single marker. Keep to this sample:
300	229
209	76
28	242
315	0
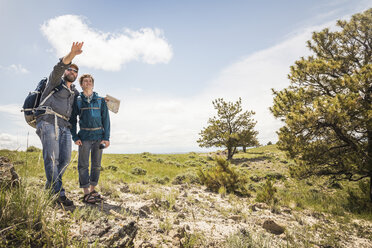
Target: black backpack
32	102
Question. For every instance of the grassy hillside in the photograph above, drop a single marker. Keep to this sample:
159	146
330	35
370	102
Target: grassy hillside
314	212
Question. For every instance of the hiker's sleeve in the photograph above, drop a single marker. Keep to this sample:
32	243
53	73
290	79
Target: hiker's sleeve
55	76
73	121
105	120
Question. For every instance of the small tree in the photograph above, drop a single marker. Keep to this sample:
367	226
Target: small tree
327	109
230	128
247	138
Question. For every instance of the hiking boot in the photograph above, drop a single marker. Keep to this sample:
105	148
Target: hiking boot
65	201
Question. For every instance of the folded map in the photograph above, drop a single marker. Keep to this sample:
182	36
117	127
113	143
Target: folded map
112	103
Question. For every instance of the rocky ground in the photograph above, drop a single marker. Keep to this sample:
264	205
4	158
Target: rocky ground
187	215
190	216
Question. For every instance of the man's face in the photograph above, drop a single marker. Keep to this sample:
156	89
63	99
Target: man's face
70	74
87	84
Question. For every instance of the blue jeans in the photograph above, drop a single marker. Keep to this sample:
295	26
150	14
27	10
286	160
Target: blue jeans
56	154
89	147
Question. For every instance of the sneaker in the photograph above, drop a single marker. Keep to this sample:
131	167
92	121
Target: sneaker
65	201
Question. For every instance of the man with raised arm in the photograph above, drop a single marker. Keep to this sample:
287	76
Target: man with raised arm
52	123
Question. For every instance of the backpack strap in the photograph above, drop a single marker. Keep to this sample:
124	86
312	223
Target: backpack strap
56	89
79	102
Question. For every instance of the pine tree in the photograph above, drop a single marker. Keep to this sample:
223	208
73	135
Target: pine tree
327	108
230	129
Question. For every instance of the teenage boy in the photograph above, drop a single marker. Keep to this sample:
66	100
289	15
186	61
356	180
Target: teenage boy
93	136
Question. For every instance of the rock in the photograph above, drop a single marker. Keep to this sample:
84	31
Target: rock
117	215
235	217
146	244
273	227
142	214
181	216
161	203
125	188
258	205
121	235
286	210
146	209
8	176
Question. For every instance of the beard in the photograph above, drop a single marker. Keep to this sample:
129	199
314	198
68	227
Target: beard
69	77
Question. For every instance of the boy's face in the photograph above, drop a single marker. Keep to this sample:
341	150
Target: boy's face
87	84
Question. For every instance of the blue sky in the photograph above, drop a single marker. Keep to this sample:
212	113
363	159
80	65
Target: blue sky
165	60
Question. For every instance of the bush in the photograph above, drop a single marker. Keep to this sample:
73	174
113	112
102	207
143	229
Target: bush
267	194
222	175
186	178
25	219
33	149
358	200
240	239
138	171
160	160
275	175
163	180
192	163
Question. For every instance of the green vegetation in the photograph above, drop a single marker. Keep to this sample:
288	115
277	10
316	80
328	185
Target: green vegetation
223	178
28	215
28	220
327	109
267	194
230	129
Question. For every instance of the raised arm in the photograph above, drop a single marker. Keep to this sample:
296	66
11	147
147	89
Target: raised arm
59	69
75	50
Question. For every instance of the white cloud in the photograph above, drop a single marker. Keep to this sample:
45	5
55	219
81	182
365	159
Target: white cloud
167	124
106	51
160	123
15	133
18	141
19	69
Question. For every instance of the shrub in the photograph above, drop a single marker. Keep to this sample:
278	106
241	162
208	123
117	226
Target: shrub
175	163
27	219
223	175
241	239
255	178
163	180
138	171
192	163
160	160
358	200
188	177
275	175
267	194
33	149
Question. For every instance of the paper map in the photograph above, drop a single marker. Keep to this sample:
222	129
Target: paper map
112	103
